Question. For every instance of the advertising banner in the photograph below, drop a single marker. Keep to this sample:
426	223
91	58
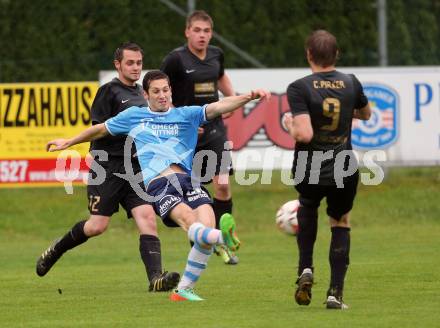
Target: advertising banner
405	124
31	114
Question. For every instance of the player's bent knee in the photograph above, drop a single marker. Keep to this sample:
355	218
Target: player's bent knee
145	218
205	215
147	227
208	221
222	191
343	221
96	225
187	221
97	230
183	215
144	213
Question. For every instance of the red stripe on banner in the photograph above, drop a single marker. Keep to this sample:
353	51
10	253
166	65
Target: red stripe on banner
387	114
16	172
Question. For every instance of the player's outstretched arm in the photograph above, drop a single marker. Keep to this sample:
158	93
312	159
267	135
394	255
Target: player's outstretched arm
229	104
92	133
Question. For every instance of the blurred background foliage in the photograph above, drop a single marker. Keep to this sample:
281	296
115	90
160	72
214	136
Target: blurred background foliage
71	40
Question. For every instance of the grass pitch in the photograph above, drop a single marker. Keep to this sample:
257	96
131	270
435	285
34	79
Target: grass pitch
393	279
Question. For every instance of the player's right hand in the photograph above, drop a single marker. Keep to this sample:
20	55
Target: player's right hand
286	120
260	94
60	144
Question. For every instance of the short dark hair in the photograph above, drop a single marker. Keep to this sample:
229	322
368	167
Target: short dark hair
151	76
323	48
119	52
199	15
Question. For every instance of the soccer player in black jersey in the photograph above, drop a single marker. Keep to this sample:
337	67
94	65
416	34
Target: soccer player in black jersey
104	199
323	105
196	73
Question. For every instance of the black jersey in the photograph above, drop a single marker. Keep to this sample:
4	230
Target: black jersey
195	82
111	99
330	99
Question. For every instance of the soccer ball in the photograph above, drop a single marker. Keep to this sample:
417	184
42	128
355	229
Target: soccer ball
286	219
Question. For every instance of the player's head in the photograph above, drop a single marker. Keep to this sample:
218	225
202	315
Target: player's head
198	30
322	48
128	62
157	90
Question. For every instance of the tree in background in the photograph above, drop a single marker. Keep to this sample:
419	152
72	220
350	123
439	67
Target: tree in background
72	40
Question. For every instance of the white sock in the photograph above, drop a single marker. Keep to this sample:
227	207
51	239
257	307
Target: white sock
196	264
203	235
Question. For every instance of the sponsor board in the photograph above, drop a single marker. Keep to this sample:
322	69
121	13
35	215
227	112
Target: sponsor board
405	122
41	172
31	114
381	130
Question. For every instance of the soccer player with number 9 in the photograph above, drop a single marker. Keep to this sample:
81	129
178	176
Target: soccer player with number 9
323	105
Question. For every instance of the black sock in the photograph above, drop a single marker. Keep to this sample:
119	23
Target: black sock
221	207
149	247
73	238
339	259
306	236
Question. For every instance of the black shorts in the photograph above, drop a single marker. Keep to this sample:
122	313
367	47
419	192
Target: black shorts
174	189
211	159
339	200
104	199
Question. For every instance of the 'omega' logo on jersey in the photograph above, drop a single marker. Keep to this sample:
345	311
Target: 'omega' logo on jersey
161	129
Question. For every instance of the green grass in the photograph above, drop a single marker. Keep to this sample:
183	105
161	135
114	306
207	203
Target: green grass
393	279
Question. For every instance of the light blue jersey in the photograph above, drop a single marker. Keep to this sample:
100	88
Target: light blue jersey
161	138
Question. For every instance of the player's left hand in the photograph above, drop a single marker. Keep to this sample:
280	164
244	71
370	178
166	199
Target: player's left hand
260	94
60	144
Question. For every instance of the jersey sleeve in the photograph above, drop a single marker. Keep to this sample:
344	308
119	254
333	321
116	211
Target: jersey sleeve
197	114
297	98
100	107
361	99
119	124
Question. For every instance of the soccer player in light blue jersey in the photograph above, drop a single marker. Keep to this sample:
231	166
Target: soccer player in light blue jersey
165	140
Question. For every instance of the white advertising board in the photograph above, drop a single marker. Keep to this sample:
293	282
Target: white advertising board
405	123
